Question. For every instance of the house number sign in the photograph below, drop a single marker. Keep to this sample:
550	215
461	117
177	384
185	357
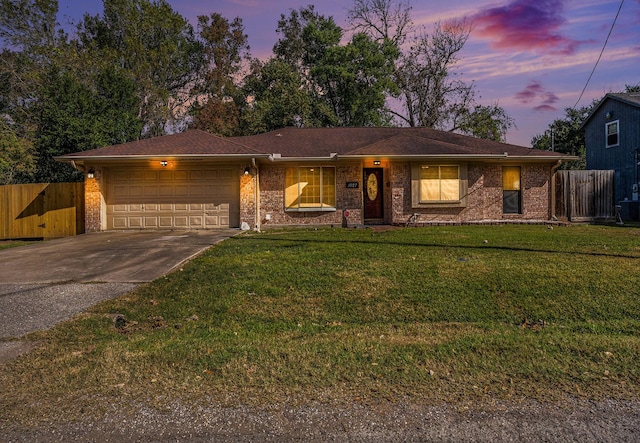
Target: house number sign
352	185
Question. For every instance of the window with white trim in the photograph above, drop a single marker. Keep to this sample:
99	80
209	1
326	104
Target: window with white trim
438	185
310	188
612	130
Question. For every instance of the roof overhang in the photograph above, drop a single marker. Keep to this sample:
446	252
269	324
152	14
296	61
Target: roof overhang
466	157
277	158
80	159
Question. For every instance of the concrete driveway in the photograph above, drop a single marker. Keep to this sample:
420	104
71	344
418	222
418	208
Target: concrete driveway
47	282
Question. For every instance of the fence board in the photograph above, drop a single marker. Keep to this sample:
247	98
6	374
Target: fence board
585	195
41	210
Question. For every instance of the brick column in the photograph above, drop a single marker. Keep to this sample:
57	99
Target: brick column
93	201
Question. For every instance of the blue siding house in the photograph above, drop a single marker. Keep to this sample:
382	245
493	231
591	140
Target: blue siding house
612	141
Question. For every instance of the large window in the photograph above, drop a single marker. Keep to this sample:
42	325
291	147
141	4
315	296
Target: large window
612	133
439	183
310	189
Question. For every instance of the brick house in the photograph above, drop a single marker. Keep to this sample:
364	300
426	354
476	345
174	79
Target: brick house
314	176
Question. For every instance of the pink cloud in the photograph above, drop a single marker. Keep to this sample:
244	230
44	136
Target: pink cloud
529	93
535	92
526	25
544	108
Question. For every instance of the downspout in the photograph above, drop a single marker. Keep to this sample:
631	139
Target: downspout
257	194
552	195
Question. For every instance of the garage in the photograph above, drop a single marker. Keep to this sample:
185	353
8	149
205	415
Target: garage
197	197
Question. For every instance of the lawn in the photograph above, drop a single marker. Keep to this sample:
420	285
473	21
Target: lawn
438	314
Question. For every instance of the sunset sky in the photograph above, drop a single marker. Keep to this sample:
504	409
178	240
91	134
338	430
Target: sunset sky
532	57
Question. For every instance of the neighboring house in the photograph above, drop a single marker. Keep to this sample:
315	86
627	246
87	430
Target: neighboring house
314	176
612	140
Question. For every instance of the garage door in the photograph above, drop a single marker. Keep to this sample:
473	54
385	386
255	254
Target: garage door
193	198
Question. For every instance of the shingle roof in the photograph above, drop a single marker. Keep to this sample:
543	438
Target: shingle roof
189	143
391	142
318	143
631	97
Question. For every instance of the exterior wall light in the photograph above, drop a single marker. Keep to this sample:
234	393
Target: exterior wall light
247	170
91	173
164	163
609	115
376	162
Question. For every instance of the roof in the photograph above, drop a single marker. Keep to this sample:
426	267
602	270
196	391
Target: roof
192	143
630	98
319	143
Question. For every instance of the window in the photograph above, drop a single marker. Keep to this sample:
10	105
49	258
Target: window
310	189
439	183
612	131
511	190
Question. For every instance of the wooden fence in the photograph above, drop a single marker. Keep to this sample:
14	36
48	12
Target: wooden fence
43	210
583	196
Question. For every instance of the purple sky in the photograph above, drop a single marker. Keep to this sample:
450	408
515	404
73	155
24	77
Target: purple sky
532	57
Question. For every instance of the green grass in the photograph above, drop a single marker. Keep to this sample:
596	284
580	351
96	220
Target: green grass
440	314
6	244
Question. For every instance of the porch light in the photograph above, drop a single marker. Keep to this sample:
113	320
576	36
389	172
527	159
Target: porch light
376	162
164	163
247	170
90	173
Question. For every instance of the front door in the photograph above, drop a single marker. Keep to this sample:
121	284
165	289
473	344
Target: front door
373	201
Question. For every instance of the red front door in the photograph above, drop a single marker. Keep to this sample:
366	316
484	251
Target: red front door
373	201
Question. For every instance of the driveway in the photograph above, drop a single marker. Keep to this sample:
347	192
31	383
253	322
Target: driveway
47	282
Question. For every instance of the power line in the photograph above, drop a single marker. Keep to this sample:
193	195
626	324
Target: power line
601	52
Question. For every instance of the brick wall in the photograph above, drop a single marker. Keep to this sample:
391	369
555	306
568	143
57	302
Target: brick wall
272	185
484	196
93	201
248	198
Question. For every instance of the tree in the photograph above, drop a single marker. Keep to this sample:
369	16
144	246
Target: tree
489	122
382	19
430	93
33	40
306	36
278	98
74	116
354	79
218	99
347	84
115	109
632	88
17	162
30	25
157	49
564	135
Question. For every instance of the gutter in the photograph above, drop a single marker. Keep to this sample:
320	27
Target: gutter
80	158
278	158
504	156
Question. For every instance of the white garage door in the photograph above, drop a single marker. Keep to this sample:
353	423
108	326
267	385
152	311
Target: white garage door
193	198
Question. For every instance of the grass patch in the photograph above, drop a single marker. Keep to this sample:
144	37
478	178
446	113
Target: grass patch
455	314
6	244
